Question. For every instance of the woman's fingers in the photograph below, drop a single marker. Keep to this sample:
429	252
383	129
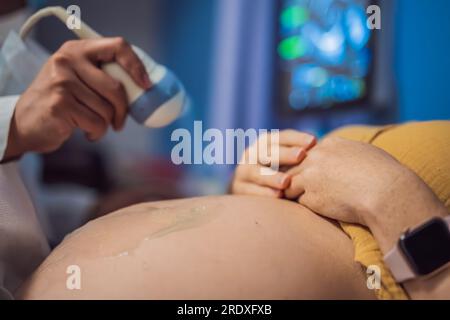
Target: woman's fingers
291	155
294	170
296	189
285	156
264	176
296	138
290	149
247	188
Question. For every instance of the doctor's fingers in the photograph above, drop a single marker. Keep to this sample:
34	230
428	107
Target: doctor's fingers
247	188
263	176
107	87
118	50
81	116
94	102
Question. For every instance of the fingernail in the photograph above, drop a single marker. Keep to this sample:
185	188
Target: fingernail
311	140
283	181
298	153
277	193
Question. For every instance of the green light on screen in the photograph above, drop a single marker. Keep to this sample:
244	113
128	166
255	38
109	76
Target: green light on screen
292	48
294	16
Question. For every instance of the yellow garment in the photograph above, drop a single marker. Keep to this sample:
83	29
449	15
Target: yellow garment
425	149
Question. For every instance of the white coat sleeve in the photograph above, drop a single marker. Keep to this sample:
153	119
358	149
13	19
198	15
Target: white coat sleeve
7	106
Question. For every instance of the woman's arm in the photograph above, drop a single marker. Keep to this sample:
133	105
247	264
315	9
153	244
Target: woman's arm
358	183
389	219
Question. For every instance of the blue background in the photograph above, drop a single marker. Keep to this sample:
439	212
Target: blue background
421	51
423	59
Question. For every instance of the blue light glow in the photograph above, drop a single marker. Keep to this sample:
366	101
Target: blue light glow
310	76
331	45
358	33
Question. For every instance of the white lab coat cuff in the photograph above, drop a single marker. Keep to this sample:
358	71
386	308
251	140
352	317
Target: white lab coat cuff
7	106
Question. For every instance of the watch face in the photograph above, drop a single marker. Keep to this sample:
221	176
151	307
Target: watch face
427	247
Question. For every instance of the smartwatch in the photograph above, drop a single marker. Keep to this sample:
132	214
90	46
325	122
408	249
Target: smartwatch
421	251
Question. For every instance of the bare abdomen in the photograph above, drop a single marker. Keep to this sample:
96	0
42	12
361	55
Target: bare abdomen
227	247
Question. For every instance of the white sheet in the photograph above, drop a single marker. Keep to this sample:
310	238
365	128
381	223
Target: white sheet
22	243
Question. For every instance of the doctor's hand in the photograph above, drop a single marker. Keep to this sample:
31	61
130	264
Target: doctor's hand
248	179
71	91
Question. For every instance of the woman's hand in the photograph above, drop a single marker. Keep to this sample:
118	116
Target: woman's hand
358	183
248	179
342	179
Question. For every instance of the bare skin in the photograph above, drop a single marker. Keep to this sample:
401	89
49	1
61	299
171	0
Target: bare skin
229	247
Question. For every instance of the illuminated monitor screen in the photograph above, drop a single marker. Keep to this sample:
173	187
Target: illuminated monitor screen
324	54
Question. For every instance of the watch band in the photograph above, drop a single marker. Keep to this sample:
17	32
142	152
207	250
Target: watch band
398	264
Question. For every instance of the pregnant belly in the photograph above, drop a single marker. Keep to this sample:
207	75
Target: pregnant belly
212	247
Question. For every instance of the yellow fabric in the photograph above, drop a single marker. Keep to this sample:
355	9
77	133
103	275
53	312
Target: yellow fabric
424	148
